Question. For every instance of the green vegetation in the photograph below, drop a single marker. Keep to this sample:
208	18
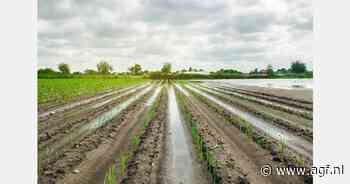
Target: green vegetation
298	67
104	68
166	68
111	177
135	69
64	68
61	90
126	156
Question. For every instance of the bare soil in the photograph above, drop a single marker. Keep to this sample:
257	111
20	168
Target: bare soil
146	163
291	122
247	157
118	129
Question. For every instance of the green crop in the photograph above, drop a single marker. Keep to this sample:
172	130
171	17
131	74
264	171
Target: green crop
62	90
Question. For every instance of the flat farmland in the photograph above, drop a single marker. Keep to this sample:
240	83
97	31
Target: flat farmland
168	131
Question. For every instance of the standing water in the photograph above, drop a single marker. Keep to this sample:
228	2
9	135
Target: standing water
181	164
295	142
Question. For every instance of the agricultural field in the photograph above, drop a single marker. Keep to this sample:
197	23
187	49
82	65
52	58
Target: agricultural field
53	92
167	131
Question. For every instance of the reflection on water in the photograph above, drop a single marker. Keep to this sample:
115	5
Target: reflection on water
181	168
82	102
116	97
96	123
270	83
297	143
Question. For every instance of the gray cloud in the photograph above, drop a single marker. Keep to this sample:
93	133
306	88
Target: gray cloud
201	33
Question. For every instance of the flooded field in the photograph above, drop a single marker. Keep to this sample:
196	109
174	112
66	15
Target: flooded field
217	131
269	83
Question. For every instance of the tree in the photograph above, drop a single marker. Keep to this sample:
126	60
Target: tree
269	70
64	68
90	72
104	68
46	71
298	67
166	68
77	73
255	71
135	69
282	71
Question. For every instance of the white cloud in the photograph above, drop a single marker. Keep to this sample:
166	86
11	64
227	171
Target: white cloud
201	33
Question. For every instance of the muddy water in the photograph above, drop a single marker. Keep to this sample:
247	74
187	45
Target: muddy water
94	124
294	142
182	166
75	104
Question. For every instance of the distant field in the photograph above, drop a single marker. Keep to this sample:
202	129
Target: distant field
50	90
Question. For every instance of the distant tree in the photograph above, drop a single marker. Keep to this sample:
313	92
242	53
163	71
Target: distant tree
201	70
298	67
90	72
104	68
135	69
255	71
46	71
77	73
64	68
228	71
166	68
183	70
282	71
190	69
269	70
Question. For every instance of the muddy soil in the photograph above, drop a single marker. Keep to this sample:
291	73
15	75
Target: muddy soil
154	129
107	155
51	146
301	99
83	152
50	108
298	146
47	122
146	162
247	156
301	95
264	101
290	122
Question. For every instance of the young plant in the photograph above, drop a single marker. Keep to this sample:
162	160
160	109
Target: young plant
124	158
111	176
135	142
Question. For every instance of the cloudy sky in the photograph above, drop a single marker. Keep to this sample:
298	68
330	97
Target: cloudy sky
207	34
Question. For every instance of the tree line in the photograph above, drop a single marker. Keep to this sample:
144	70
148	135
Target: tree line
104	69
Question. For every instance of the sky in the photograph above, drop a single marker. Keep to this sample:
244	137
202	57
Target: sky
206	34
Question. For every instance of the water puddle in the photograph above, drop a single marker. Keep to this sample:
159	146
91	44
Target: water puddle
96	123
151	100
294	142
181	169
75	104
182	90
116	97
